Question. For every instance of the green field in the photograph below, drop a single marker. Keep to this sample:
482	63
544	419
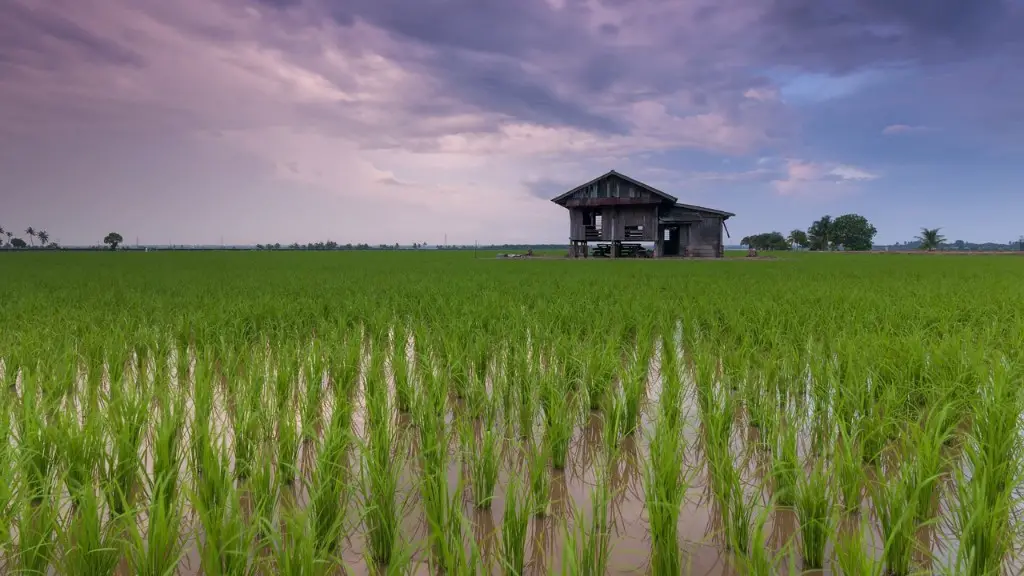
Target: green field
432	412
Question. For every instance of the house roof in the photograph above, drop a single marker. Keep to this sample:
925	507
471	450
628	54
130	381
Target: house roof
721	213
561	198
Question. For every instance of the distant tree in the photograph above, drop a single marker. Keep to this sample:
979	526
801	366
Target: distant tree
820	233
44	237
31	234
277	246
113	240
930	239
766	241
9	235
18	243
853	232
798	238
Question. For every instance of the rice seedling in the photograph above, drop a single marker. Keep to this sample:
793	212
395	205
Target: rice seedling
994	467
37	538
587	545
855	554
666	482
91	542
483	455
560	420
758	559
894	505
786	467
381	468
814	513
849	471
514	523
540	477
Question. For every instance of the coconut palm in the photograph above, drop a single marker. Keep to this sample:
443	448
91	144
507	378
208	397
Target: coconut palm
31	234
930	239
44	237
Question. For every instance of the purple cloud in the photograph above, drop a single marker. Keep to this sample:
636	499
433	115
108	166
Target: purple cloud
471	111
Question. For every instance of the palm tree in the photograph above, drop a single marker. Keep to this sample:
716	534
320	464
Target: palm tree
44	238
31	234
821	233
930	239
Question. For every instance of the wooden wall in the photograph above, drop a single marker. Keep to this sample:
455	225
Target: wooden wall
614	220
706	237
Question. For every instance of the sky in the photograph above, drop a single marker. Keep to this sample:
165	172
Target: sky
383	121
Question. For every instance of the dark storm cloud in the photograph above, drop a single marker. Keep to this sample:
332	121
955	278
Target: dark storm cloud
843	35
31	32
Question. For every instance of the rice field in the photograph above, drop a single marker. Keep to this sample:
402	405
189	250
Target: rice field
397	413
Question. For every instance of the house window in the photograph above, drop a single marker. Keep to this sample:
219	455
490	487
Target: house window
668	235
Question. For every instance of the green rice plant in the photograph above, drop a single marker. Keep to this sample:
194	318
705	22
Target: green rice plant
613	423
849	471
457	552
540	477
786	467
561	416
82	450
587	545
37	439
126	421
400	369
329	491
227	533
91	543
759	559
634	385
156	545
514	523
8	471
37	538
483	456
264	493
987	502
296	552
665	484
381	470
926	445
814	514
895	508
855	554
287	444
738	514
528	403
599	372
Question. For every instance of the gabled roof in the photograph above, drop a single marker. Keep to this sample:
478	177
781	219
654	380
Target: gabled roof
562	197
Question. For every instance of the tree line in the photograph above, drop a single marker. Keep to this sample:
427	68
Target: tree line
846	232
9	240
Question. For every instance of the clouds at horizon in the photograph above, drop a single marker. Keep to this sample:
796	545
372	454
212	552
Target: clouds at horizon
396	121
